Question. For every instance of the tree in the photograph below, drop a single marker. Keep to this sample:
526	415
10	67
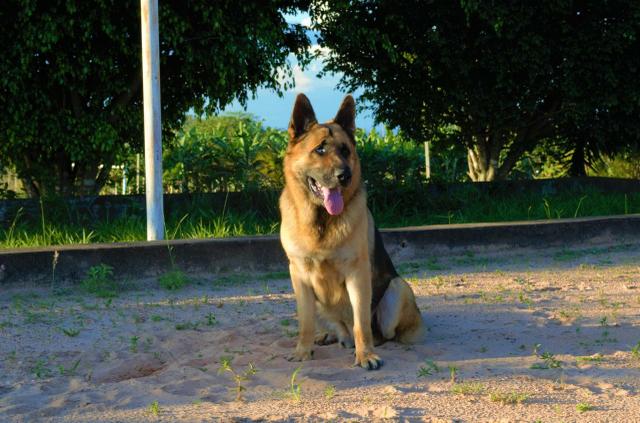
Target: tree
70	77
506	74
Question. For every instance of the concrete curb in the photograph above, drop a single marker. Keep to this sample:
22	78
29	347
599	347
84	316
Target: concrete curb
264	253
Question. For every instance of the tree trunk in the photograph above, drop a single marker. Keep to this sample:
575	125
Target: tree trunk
482	166
79	179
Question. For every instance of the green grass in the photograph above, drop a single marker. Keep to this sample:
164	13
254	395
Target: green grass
99	281
465	205
154	408
583	407
510	398
173	280
467	388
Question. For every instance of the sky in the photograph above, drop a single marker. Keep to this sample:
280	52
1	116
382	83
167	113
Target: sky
275	111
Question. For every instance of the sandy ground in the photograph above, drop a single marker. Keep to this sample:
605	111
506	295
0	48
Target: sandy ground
527	336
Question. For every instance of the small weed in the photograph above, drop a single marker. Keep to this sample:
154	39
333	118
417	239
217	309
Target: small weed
635	351
467	388
329	392
524	299
492	298
510	398
211	319
187	326
154	409
583	407
597	358
173	280
72	333
428	369
453	371
133	344
285	322
71	371
40	371
238	378
549	360
295	389
99	281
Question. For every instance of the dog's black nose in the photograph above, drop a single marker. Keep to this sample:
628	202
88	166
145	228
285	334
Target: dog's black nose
344	176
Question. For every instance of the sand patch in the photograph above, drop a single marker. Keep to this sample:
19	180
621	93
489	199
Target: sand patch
517	337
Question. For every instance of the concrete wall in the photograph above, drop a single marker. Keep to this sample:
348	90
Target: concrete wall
264	253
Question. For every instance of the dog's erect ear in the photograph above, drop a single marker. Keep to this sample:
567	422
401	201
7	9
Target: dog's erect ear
346	116
302	117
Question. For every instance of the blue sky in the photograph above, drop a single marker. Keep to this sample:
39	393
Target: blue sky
275	111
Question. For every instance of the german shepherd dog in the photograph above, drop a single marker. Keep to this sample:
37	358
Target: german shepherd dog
338	264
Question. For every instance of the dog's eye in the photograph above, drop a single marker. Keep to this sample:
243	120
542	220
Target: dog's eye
320	149
344	150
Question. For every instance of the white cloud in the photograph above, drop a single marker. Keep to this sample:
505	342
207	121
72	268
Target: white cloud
303	81
306	21
298	19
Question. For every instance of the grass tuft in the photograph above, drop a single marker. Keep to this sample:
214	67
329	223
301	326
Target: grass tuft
510	398
173	280
99	281
467	388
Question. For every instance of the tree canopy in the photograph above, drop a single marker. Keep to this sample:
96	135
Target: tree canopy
505	74
70	77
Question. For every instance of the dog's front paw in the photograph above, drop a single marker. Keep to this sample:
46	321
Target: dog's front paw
301	354
368	360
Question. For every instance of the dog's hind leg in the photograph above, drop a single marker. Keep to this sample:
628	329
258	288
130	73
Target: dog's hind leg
397	314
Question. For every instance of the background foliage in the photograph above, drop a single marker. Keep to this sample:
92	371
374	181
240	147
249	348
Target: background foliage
70	77
506	75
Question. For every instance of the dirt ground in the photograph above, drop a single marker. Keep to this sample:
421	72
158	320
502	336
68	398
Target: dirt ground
526	336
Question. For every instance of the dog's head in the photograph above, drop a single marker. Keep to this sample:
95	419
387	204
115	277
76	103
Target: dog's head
321	157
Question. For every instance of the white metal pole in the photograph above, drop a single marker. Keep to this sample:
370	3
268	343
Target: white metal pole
152	123
137	173
427	160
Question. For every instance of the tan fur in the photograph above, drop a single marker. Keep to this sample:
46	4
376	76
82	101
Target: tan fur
330	256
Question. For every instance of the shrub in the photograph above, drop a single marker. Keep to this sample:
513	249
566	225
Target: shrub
99	281
173	280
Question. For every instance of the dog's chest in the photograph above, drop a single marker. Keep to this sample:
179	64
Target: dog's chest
327	281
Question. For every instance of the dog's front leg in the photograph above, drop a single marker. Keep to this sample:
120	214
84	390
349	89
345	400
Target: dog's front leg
359	288
306	304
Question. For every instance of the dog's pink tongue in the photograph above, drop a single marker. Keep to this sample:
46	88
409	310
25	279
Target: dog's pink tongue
332	200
